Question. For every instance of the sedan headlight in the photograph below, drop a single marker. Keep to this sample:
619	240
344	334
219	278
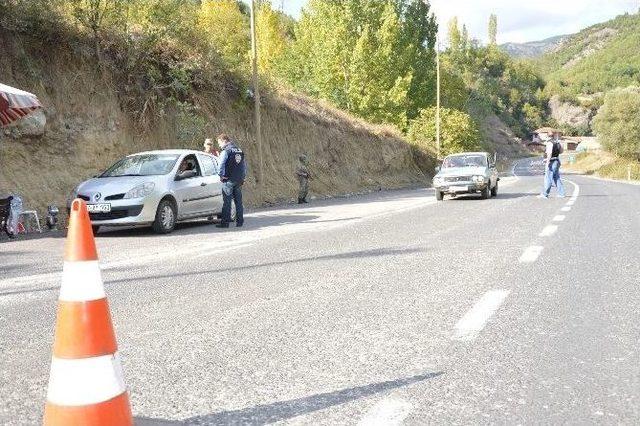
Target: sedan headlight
478	179
437	180
140	191
73	194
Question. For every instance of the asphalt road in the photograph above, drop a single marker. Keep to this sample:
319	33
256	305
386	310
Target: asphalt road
383	309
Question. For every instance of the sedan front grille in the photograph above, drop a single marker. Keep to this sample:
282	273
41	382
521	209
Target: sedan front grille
114	197
457	179
83	197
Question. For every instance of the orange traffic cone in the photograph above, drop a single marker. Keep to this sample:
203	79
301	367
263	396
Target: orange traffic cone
86	385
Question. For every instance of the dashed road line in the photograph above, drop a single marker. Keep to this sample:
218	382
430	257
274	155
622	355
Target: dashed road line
549	230
566	209
472	323
390	411
559	218
531	254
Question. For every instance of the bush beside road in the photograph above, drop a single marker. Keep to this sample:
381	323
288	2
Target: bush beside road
604	165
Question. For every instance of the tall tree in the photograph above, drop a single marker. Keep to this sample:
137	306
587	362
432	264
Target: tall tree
232	44
455	38
272	37
493	29
418	40
465	39
94	15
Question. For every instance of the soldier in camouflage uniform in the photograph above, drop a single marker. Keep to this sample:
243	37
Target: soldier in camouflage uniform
303	175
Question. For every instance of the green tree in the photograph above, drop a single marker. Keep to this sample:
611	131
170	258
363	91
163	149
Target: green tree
419	29
272	36
459	132
455	38
375	59
376	90
493	30
465	39
95	15
533	116
226	30
617	123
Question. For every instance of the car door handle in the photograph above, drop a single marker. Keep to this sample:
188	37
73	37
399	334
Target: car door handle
203	184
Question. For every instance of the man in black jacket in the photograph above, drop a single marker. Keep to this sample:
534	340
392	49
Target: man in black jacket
233	171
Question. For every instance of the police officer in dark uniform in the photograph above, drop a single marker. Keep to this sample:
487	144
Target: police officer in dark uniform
233	171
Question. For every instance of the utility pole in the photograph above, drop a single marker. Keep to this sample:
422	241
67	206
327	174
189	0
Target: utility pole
256	97
438	148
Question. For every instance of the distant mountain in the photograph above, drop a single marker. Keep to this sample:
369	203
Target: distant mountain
533	49
595	60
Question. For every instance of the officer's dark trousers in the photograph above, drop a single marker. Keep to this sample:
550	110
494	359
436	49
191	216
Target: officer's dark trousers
232	192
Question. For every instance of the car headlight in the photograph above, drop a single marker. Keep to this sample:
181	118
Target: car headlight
478	179
73	194
437	180
140	191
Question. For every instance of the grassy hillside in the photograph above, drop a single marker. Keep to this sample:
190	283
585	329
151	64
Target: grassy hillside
96	114
597	59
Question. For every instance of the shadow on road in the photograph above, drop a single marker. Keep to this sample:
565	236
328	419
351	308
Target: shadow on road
347	255
501	196
198	227
284	410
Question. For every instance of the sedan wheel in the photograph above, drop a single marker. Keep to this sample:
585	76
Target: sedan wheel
165	220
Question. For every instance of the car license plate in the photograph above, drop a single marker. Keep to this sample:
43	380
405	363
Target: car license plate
458	188
99	208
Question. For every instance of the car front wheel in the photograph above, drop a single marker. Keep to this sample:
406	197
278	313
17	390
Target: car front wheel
165	220
486	192
494	191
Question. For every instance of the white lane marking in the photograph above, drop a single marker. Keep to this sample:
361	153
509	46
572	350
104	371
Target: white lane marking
476	318
559	218
571	203
566	209
85	381
388	412
576	191
531	254
549	230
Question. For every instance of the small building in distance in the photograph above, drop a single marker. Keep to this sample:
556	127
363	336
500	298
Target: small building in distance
546	133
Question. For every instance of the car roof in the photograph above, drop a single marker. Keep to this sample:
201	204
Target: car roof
468	153
170	152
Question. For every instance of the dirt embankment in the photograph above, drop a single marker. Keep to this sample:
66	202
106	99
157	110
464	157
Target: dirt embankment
89	126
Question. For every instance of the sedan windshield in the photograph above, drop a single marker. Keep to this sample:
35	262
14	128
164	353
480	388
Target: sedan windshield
473	160
142	165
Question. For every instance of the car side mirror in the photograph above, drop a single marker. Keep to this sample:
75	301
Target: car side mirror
437	169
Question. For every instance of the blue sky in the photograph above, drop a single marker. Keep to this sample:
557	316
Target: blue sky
518	20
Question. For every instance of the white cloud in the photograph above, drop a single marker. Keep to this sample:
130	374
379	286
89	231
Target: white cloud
520	21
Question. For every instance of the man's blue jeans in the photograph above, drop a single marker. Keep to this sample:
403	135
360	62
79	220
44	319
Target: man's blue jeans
551	177
232	192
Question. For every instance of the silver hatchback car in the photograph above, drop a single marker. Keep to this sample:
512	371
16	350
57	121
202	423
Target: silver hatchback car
467	173
156	188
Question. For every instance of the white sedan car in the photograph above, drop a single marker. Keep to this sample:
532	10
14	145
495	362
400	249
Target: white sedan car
154	188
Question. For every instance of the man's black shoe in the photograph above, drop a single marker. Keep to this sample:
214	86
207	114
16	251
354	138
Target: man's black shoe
239	224
222	225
